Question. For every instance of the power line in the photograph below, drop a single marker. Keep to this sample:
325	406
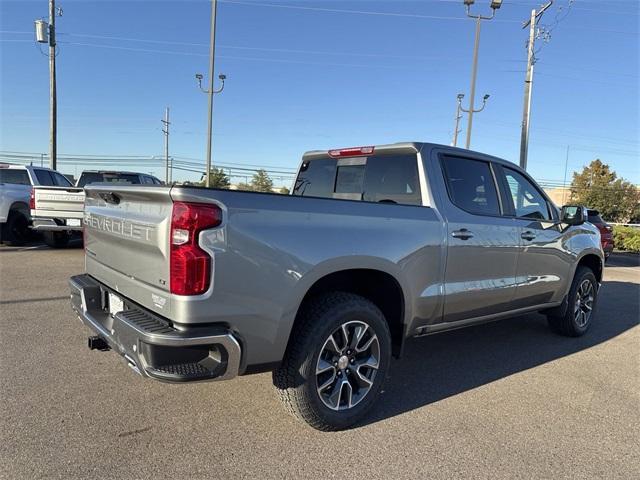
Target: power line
353	12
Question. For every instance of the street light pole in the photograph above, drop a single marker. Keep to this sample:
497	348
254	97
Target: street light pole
212	58
211	91
456	131
495	4
165	130
474	72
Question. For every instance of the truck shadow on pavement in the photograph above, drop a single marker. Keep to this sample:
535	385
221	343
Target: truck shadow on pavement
437	367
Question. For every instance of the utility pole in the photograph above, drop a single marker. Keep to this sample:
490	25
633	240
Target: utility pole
528	82
165	130
457	130
495	4
46	33
53	100
211	91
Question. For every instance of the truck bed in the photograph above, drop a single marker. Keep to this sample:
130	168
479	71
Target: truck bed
269	249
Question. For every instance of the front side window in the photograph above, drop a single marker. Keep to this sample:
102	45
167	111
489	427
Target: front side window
528	202
471	186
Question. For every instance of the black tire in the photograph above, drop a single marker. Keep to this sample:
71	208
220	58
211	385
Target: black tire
56	239
297	380
567	321
15	231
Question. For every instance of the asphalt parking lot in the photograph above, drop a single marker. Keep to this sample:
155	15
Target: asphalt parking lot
505	400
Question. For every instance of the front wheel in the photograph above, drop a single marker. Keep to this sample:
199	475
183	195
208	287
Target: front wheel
336	362
581	302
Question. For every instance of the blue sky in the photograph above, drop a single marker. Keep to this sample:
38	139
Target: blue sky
322	74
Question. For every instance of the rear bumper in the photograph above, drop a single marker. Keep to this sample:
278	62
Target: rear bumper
53	225
151	345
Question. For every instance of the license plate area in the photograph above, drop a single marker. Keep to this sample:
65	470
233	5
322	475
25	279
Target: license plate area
116	304
73	222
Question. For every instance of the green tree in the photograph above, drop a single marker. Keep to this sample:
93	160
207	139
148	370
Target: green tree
261	182
244	187
217	179
599	187
284	191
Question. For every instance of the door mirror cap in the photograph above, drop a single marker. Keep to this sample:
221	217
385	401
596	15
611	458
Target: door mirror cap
573	214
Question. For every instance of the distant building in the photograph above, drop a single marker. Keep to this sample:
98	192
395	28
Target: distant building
559	195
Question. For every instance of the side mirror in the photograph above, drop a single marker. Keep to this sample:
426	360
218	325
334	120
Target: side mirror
573	215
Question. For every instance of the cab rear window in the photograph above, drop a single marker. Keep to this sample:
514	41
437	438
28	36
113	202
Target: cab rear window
97	177
380	178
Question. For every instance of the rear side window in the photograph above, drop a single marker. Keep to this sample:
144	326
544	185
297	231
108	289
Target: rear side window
382	178
470	185
14	176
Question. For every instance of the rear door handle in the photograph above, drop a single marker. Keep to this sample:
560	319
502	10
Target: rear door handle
462	234
528	235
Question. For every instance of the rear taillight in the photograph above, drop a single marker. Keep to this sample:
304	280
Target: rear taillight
190	265
32	199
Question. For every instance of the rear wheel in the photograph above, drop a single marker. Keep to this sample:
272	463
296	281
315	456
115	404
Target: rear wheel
15	231
581	302
336	362
56	239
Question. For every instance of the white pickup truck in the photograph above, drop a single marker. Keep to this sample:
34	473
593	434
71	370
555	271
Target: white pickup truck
16	190
57	211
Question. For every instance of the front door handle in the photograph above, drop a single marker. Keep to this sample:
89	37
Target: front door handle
462	234
528	235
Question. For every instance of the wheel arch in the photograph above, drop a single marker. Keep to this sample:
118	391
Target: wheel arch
594	263
21	207
378	286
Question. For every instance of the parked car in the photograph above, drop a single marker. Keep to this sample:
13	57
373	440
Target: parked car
606	231
16	187
373	246
57	211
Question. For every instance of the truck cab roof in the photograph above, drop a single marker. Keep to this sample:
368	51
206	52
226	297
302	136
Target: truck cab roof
397	148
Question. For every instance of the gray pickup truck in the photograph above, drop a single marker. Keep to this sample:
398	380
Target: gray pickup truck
323	286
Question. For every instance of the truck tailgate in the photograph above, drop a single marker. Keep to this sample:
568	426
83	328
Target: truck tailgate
63	202
127	240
